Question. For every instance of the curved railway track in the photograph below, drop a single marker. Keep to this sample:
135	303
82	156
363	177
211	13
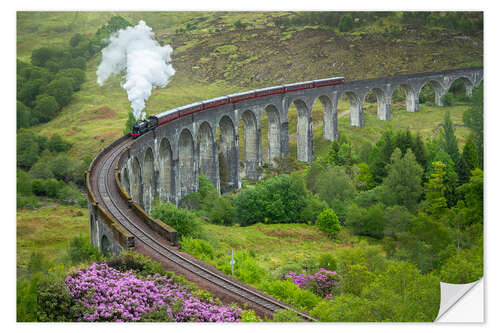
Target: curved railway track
106	194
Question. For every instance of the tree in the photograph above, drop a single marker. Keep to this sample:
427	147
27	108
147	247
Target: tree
46	107
23	115
447	140
450	176
130	123
312	174
75	39
367	222
470	159
397	220
363	177
62	89
401	293
418	148
472	192
278	199
40	56
402	186
336	188
435	189
27	149
473	118
29	92
403	140
464	267
57	144
346	23
76	75
328	222
381	155
222	212
426	243
185	222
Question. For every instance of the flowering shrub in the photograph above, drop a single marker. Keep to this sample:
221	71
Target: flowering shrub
324	283
110	295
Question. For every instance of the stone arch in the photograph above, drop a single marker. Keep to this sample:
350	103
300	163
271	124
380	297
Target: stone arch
467	82
136	182
383	106
273	133
411	97
439	91
125	180
106	247
228	155
149	179
356	114
304	131
165	166
251	145
187	176
207	153
329	117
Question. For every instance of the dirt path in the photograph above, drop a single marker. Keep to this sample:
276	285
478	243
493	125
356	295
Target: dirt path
436	129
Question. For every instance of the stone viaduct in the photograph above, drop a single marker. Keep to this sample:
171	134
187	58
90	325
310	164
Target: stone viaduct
165	163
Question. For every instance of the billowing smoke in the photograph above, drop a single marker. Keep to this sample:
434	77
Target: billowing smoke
146	62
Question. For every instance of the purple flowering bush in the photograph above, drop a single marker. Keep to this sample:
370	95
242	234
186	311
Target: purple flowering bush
110	295
324	283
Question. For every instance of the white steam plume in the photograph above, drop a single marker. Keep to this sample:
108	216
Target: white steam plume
147	64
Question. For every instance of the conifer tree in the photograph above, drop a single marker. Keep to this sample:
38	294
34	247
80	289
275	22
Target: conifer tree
435	189
448	140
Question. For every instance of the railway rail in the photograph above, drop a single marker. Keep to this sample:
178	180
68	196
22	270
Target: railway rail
104	192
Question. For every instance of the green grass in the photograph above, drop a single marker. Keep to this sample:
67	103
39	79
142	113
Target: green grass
48	231
274	245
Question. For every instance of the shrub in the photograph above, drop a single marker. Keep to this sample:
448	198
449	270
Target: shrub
37	263
186	223
447	99
367	222
48	187
323	283
199	248
327	261
313	208
286	316
222	212
55	303
80	250
23	183
191	201
328	222
278	199
133	261
292	294
346	23
249	316
57	144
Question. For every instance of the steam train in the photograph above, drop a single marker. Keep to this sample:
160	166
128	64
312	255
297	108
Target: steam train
146	125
